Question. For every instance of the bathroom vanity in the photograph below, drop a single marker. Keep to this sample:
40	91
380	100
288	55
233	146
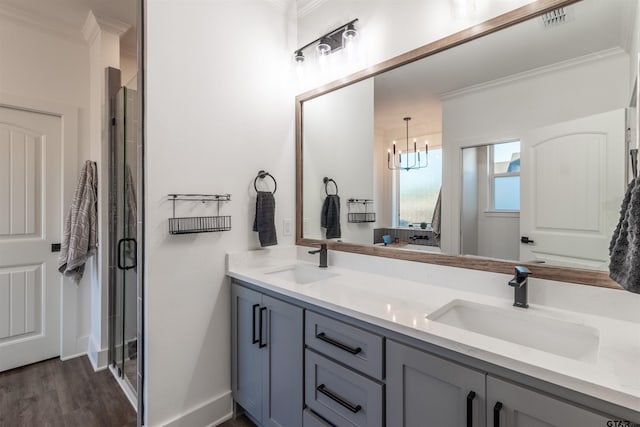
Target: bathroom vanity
338	346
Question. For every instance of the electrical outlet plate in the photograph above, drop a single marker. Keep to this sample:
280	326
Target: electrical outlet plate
287	227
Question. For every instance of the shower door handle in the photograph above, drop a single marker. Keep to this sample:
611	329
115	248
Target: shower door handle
122	264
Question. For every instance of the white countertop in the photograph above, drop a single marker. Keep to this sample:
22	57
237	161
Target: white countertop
402	305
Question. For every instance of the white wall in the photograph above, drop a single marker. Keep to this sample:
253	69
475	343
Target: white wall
504	111
219	109
339	142
46	67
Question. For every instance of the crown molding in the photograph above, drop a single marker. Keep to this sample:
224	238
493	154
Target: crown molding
281	5
40	22
591	57
95	23
308	7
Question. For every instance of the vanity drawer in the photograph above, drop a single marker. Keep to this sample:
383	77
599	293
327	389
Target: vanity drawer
341	396
311	419
356	348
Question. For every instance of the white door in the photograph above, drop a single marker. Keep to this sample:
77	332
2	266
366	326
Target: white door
572	185
30	221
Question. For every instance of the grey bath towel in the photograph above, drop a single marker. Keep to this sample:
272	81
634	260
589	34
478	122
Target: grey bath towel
330	216
132	215
264	222
437	214
80	237
624	250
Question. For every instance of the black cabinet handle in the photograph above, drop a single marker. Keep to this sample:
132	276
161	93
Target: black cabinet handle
261	344
254	339
470	397
121	263
331	395
527	240
496	414
322	337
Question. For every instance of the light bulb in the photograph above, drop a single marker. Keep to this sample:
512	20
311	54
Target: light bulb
324	48
350	32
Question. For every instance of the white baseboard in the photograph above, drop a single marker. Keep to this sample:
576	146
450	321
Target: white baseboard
210	413
82	348
99	357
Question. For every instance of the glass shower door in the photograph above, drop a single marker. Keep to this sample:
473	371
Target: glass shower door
124	322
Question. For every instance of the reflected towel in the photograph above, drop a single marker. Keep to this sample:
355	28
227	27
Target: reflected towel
80	238
330	216
624	250
131	215
264	221
437	213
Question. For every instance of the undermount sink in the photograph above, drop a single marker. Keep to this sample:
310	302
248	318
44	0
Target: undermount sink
301	273
519	326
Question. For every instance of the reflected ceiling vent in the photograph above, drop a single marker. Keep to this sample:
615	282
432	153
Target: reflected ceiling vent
555	17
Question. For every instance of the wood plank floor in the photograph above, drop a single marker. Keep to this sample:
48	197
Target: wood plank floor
56	393
241	421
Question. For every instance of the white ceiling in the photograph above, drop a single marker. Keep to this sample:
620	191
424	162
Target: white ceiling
413	90
71	14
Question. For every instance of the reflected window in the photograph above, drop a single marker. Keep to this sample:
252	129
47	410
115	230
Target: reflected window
504	176
418	190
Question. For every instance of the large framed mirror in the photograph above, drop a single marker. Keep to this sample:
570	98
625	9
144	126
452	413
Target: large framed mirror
501	145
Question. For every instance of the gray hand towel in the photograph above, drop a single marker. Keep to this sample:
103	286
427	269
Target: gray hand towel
264	221
624	250
437	215
330	216
80	237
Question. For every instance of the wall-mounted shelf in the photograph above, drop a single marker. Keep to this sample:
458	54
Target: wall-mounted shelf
199	224
366	216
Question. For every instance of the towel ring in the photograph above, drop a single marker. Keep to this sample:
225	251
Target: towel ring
326	183
262	175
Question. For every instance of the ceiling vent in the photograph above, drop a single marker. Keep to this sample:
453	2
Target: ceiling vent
555	17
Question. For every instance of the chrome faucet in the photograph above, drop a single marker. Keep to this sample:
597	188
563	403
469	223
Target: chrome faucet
323	255
519	283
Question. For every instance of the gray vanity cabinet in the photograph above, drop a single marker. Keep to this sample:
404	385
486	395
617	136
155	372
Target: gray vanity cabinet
267	355
425	390
511	405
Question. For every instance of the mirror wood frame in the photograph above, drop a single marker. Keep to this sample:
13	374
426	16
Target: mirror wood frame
562	274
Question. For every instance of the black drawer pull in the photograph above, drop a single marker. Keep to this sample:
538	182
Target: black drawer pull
254	339
262	344
350	406
496	414
470	397
322	337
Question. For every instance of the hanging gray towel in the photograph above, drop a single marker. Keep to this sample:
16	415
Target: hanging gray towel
131	215
330	216
437	214
80	237
264	222
624	250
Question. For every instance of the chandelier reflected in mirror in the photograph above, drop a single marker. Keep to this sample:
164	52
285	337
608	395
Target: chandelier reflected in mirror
410	159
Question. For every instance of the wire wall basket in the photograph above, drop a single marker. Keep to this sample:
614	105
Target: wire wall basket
366	216
199	224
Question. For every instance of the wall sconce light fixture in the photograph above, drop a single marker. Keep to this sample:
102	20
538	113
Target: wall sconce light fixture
331	42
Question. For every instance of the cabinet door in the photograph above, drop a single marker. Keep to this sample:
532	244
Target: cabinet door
522	407
425	390
282	376
246	356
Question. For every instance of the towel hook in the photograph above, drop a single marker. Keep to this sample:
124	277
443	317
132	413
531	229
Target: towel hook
262	175
326	183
